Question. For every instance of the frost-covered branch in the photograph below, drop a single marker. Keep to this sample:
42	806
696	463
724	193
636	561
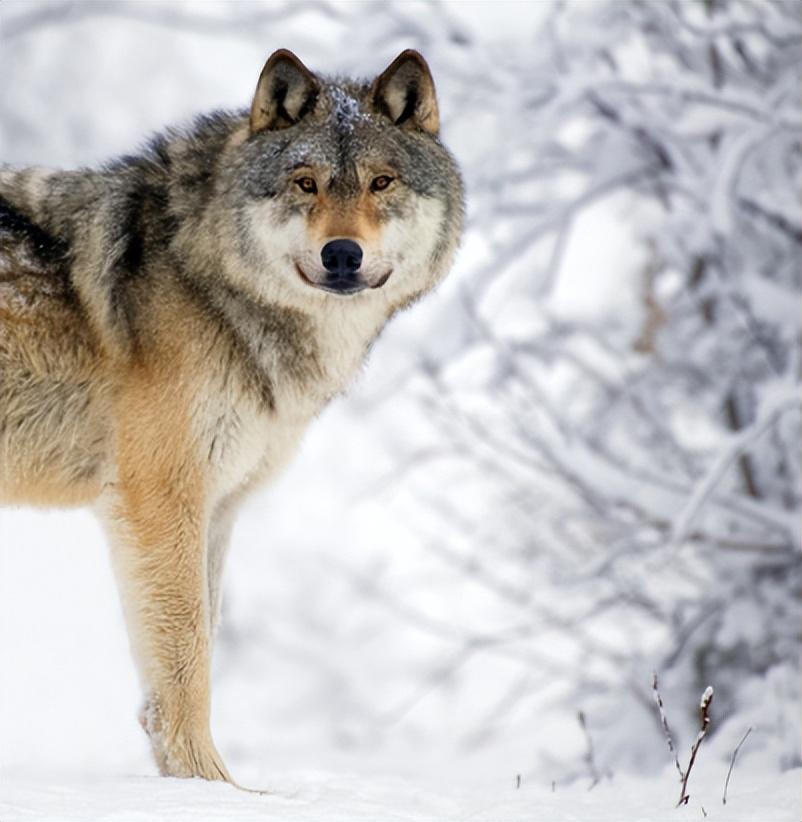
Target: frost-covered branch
704	724
772	407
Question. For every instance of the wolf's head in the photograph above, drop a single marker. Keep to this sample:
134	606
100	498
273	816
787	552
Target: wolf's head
342	190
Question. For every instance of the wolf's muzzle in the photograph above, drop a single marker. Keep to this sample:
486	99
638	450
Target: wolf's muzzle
342	272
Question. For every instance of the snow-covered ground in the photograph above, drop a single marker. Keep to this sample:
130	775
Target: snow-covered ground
322	796
71	749
341	683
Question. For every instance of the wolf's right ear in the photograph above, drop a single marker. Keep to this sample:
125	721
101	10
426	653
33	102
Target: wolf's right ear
285	93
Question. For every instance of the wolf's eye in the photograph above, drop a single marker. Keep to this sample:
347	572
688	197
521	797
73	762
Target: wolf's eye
380	183
307	185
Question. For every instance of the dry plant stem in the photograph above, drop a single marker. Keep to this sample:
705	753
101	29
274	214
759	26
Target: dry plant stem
589	757
704	722
732	764
664	722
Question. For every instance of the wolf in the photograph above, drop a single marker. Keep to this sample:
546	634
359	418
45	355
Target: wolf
171	322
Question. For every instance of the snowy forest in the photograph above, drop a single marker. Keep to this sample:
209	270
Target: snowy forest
576	466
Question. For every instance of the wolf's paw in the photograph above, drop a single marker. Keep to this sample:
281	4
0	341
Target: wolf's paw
181	751
192	755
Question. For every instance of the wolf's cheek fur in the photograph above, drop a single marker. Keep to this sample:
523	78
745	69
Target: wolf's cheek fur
409	243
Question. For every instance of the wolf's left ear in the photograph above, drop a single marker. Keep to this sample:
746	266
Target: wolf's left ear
404	92
286	92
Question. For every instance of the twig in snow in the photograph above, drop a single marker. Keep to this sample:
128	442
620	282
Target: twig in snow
664	722
589	757
732	763
704	723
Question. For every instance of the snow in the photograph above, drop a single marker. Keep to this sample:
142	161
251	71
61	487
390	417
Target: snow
346	112
72	750
706	696
304	796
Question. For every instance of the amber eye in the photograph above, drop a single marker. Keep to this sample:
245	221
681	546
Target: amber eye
380	183
307	185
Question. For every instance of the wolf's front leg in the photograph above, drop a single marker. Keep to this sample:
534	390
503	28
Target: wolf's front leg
157	518
159	555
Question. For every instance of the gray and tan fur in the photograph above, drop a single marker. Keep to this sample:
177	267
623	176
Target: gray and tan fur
168	331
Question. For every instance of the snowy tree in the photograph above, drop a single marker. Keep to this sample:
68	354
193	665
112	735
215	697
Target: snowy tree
642	457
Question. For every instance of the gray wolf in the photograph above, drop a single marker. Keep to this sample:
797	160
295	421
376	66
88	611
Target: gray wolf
170	324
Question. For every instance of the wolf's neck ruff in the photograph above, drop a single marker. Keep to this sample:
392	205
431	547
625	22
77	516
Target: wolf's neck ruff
171	323
272	342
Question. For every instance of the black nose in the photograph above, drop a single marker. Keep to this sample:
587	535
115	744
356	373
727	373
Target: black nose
341	257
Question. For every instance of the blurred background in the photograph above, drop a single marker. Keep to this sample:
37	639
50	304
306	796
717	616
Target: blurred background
575	465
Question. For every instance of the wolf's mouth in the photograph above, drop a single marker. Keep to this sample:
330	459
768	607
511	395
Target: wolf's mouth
383	280
342	285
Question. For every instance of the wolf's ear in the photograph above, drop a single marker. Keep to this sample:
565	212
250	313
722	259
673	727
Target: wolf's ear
404	92
286	92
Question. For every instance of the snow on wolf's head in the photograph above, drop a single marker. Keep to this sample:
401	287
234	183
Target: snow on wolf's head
341	190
